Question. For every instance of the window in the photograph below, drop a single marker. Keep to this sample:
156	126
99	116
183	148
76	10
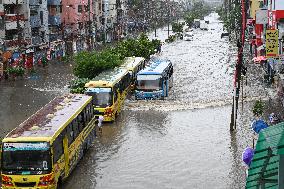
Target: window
58	148
80	25
80	8
70	134
40	2
41	17
86	8
75	128
81	121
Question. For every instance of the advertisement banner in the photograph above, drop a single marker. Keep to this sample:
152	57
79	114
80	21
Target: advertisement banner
271	43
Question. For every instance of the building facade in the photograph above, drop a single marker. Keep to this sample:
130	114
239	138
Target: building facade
77	17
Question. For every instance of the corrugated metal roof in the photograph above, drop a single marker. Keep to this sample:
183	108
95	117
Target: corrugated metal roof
50	118
107	78
132	62
156	67
265	163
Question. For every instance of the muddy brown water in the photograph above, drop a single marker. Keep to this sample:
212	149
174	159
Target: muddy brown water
181	142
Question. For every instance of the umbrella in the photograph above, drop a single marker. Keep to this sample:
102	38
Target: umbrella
247	156
259	58
258	125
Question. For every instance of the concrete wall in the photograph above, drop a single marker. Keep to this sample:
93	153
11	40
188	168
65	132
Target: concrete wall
278	5
254	7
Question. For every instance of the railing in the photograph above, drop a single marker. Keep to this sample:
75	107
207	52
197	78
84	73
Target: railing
53	2
14	2
55	37
35	21
36	40
54	20
16	42
34	2
14	17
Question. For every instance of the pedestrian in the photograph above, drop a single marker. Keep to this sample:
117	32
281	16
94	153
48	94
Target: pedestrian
100	121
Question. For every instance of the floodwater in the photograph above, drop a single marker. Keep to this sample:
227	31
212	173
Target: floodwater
181	142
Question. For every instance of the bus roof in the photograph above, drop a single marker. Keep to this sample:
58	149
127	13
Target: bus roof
50	119
132	62
156	67
107	78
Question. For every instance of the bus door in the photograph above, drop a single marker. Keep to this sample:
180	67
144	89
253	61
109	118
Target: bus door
66	155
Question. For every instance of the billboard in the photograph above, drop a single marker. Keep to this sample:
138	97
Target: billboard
271	43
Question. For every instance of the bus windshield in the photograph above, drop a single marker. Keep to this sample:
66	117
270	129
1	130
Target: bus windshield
26	157
149	82
102	97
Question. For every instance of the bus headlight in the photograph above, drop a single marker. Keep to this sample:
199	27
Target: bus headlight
46	180
7	181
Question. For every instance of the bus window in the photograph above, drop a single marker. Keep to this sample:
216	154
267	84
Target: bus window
75	128
70	134
81	122
57	148
92	110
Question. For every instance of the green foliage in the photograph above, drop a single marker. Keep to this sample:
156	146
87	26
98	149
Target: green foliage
90	64
177	27
78	85
258	108
16	71
171	38
233	20
198	11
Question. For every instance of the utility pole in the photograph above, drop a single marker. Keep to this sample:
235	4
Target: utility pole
90	26
168	12
238	69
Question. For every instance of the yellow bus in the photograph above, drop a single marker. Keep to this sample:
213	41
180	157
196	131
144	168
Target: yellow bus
109	91
42	151
134	65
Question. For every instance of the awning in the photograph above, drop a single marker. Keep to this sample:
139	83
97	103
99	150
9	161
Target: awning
264	168
259	59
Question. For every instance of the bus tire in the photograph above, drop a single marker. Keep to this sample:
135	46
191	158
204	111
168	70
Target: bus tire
59	183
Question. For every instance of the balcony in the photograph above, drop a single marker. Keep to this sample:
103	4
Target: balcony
36	40
14	17
14	25
1	10
35	21
16	43
13	2
34	2
54	37
54	20
53	2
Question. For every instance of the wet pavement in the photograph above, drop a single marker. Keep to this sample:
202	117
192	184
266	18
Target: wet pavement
181	142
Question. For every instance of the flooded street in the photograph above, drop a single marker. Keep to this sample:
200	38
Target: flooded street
181	142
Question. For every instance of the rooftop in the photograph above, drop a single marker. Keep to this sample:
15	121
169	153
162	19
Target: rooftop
50	118
265	164
155	67
107	78
132	62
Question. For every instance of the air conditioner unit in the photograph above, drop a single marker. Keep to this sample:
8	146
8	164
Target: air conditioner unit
281	34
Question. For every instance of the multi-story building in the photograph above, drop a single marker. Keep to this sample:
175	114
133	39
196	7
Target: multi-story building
39	31
56	42
97	17
14	32
77	18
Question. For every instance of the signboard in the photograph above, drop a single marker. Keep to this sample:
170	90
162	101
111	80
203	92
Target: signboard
261	17
271	43
271	19
25	146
